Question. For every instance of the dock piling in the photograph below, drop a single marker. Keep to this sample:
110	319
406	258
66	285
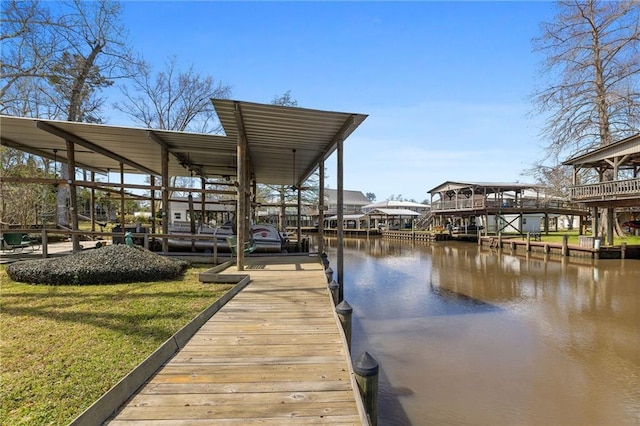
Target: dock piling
345	312
334	287
366	371
329	273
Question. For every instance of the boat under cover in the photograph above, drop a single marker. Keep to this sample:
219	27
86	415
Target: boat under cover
266	238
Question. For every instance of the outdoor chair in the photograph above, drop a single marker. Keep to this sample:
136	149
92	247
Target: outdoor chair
17	242
249	247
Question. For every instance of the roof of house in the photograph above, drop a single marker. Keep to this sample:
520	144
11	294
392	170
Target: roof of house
350	197
627	149
490	187
394	204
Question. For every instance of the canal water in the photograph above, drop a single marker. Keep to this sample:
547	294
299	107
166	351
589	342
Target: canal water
470	336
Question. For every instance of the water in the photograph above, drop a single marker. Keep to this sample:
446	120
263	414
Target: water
467	336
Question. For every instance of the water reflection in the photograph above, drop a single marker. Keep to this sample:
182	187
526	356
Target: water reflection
466	335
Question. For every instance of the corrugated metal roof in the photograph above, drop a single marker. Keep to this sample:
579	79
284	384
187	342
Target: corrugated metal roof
396	204
489	186
272	133
394	212
628	148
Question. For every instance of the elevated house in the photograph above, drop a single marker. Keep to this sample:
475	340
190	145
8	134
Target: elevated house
611	181
498	207
353	202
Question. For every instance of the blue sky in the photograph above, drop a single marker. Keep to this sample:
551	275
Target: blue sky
446	85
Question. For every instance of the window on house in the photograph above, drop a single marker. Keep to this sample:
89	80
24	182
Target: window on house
177	216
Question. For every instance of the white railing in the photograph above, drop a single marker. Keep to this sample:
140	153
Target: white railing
527	203
605	190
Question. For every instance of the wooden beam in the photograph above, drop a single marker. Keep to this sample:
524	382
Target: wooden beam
44	154
89	145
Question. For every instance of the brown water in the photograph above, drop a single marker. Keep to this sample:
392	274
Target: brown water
468	336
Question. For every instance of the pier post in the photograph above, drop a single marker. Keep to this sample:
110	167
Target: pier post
334	288
623	250
528	242
366	374
329	273
325	260
345	312
565	245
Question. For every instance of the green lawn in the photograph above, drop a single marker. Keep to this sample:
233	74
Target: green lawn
62	347
556	237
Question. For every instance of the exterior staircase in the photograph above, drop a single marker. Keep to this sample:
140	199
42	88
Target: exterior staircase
425	220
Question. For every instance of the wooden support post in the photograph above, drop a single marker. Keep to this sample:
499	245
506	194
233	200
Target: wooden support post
565	245
623	250
165	198
73	194
340	231
546	249
321	210
334	289
366	374
345	312
528	249
45	241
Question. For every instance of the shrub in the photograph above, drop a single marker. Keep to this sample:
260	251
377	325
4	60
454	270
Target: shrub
107	265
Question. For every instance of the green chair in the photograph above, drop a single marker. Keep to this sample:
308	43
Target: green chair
249	247
17	242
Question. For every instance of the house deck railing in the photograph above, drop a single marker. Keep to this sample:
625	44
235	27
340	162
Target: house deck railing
524	204
604	190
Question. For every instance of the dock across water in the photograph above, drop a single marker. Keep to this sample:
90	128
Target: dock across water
274	354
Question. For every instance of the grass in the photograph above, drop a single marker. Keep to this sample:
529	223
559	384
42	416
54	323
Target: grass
62	347
556	237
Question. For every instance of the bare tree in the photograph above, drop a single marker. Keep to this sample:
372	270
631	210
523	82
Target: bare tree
593	95
593	59
56	57
28	47
173	99
285	100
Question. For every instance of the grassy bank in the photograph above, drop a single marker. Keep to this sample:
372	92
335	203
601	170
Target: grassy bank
556	237
62	347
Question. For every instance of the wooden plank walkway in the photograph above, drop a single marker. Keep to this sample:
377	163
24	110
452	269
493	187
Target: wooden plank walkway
273	355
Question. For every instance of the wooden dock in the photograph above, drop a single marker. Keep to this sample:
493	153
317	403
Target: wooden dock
273	355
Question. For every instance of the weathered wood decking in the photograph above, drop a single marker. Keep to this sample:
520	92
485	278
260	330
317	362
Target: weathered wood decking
273	355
